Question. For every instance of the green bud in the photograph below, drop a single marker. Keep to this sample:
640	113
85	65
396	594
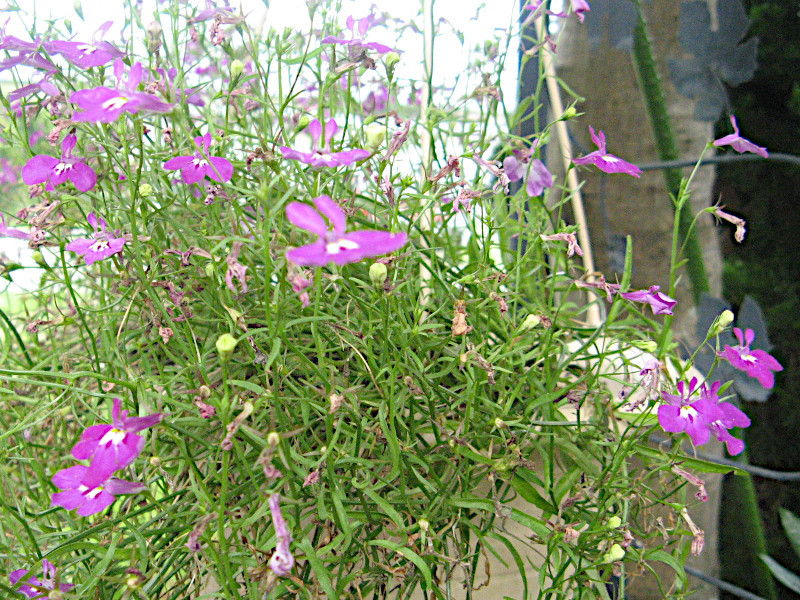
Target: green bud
615	553
424	524
209	269
378	273
613	522
273	438
390	60
303	122
237	68
225	345
647	345
375	134
721	323
78	8
38	258
530	322
569	113
145	190
499	423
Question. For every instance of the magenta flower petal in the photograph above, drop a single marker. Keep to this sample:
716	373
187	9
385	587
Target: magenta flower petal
38	168
220	170
310	255
325	205
178	163
740	144
83	177
303	216
607	163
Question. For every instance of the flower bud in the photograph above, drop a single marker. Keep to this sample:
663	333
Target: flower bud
273	438
225	345
499	423
237	68
615	553
530	322
569	113
154	31
145	190
209	269
613	522
424	524
303	122
390	61
378	273
375	134
721	323
155	461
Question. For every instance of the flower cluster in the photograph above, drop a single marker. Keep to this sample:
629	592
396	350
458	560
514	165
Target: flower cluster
108	448
702	415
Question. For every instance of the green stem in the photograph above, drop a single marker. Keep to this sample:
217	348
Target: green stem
656	105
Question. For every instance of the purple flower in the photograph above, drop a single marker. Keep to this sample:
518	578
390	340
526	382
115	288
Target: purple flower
84	55
6	231
195	168
334	245
282	560
43	85
756	363
357	44
105	105
98	247
34	587
323	157
536	175
731	417
89	490
660	303
740	144
376	100
579	7
47	169
608	163
683	413
115	446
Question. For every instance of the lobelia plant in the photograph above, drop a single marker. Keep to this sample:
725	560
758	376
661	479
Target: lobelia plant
379	411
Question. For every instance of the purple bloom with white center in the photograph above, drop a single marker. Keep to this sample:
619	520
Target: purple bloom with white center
608	163
322	156
756	363
738	143
660	303
682	412
114	446
35	588
105	105
196	168
357	44
84	55
334	245
282	560
89	490
731	417
47	169
98	247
